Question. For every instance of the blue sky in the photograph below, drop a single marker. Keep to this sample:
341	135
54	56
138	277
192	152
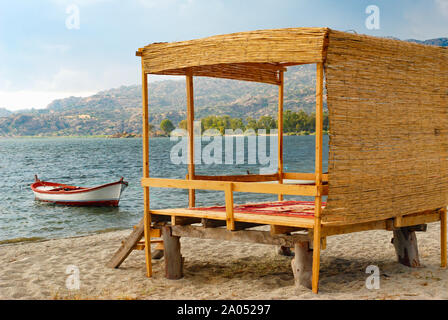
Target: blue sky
41	59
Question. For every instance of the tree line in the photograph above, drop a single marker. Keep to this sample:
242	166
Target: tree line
294	123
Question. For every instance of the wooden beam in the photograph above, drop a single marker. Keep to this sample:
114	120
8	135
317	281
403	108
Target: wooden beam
211	223
253	187
417	218
190	128
275	229
443	244
173	258
280	130
318	177
303	176
344	229
240	178
251	236
182	221
146	213
230	220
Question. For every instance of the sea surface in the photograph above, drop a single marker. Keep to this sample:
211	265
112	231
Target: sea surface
94	161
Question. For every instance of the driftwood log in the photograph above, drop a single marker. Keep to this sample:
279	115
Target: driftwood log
173	258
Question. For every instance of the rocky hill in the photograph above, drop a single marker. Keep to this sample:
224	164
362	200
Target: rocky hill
119	109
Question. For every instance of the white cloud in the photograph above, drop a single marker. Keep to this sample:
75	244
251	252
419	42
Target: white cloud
55	48
83	3
151	4
442	6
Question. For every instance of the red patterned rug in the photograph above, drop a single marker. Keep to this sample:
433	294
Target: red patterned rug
302	209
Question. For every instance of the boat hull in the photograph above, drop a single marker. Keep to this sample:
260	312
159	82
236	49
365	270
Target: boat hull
104	195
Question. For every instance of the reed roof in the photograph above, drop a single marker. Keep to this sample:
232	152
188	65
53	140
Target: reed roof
251	56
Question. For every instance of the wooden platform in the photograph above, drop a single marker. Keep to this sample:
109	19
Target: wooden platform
298	214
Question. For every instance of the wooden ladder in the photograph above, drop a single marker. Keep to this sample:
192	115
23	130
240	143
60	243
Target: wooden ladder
134	242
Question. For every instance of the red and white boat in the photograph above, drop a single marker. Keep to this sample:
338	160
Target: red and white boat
103	195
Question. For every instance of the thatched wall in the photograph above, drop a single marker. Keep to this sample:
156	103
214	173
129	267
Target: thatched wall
388	111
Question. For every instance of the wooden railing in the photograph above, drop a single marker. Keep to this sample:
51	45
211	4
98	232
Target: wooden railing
230	184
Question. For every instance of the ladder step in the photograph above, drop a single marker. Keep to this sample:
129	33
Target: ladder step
141	244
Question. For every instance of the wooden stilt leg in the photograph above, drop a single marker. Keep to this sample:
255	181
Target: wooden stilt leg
318	168
146	214
316	260
443	247
302	264
280	131
405	243
190	127
173	258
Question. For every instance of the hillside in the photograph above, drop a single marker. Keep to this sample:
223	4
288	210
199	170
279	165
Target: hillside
119	110
4	112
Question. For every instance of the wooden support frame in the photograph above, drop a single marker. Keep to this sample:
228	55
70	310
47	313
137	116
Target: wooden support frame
190	128
241	177
230	219
173	257
280	130
252	187
318	178
443	236
303	176
251	236
146	208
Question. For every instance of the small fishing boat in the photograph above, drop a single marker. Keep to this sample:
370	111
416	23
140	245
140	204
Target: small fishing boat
103	195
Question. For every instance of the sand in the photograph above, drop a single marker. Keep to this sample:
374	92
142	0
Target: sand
220	270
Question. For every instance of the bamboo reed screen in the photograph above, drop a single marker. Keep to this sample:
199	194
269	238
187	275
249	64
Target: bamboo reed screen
251	56
388	112
387	101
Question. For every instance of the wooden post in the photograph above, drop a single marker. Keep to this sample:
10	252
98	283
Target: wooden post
405	243
173	258
190	128
280	131
302	264
230	220
443	248
318	170
146	214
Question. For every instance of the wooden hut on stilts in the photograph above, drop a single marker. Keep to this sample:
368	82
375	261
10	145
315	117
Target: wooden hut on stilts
388	147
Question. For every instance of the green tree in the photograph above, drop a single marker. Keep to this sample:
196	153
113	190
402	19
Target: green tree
183	124
166	126
251	124
267	122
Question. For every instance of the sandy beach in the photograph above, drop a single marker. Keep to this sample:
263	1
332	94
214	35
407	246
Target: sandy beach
220	270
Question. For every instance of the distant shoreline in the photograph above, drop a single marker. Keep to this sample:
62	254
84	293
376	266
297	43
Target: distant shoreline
139	136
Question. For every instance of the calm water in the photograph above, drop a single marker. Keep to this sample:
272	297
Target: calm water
89	162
